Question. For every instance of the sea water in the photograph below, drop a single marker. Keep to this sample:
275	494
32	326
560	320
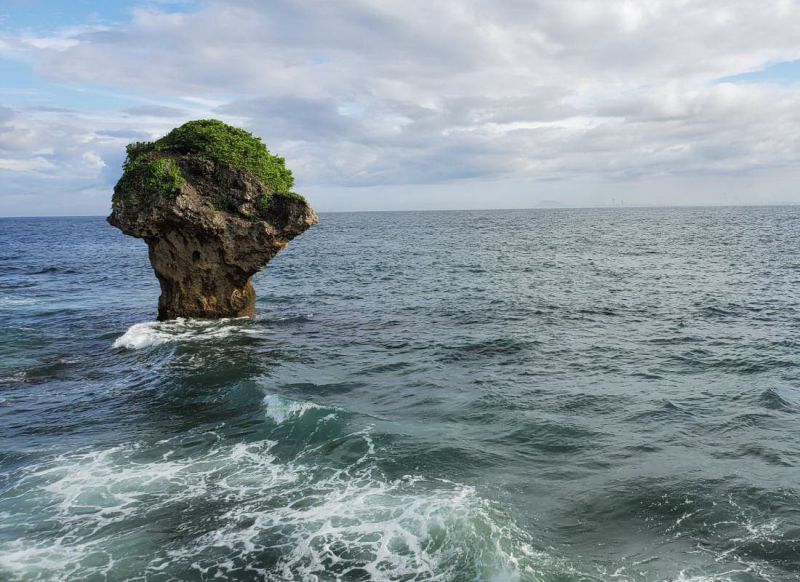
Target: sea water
548	395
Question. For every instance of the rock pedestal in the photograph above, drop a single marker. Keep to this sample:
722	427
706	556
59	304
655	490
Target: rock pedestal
208	232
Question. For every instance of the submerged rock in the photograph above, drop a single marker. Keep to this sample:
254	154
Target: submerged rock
214	206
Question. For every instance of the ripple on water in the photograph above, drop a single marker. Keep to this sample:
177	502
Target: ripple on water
742	529
783	398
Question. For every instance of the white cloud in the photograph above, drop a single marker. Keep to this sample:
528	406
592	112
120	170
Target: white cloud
50	43
362	93
93	160
25	165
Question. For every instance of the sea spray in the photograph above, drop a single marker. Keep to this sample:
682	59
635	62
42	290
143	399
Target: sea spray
154	333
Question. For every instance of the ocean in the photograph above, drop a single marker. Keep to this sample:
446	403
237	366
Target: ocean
544	395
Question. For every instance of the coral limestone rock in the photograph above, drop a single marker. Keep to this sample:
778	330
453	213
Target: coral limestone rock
214	206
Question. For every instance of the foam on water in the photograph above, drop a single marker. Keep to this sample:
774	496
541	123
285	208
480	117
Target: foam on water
98	499
134	510
118	512
153	333
281	409
354	522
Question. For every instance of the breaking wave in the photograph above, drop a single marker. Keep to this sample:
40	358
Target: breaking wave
280	409
148	509
154	333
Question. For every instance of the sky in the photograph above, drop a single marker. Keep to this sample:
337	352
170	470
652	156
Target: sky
413	104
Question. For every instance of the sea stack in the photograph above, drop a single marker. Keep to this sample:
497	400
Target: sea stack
214	206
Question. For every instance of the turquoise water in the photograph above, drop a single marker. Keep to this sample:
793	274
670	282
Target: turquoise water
552	395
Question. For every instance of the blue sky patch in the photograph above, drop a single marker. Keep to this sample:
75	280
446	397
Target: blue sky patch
785	73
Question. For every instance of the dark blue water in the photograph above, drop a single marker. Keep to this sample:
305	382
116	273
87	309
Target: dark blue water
565	395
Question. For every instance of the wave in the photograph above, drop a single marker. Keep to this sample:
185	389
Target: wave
281	409
15	378
291	319
154	333
96	498
54	269
488	349
133	511
17	301
354	522
781	398
731	533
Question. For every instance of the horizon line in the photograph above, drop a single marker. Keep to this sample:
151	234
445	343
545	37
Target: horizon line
565	207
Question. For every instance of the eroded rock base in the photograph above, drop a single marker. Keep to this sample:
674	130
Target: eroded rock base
196	300
196	282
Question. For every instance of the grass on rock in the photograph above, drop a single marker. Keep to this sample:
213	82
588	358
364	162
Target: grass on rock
149	169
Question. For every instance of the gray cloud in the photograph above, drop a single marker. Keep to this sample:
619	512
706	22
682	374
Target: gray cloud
6	114
296	118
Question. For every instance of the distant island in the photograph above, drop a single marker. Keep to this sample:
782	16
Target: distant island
214	206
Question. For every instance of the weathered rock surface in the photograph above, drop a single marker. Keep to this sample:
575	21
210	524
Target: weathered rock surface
209	236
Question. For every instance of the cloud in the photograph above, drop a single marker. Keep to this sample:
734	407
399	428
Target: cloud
129	135
358	93
155	111
54	162
93	160
6	113
25	165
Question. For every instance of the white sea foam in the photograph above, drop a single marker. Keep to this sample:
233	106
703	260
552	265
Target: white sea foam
23	561
15	378
729	576
116	513
132	511
335	522
153	333
91	495
281	409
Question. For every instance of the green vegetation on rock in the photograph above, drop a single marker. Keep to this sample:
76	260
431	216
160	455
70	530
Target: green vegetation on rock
229	145
154	177
148	167
266	201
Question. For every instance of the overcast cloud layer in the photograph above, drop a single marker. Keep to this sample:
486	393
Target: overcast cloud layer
419	104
